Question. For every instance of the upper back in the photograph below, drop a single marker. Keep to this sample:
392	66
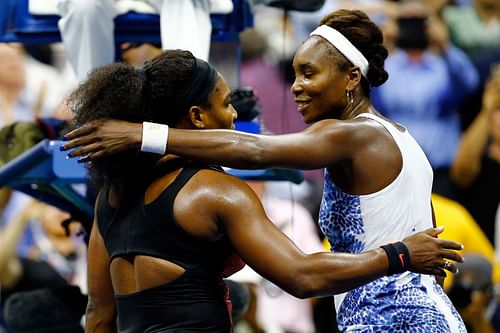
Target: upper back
136	227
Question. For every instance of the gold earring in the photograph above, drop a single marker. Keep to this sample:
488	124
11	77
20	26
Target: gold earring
350	97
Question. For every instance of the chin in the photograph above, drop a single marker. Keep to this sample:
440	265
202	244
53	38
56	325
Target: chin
305	118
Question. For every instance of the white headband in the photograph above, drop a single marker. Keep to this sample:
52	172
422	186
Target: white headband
344	46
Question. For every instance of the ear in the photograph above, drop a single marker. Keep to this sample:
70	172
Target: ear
196	117
354	78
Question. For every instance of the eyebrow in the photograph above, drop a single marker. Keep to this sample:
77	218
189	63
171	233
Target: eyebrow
306	65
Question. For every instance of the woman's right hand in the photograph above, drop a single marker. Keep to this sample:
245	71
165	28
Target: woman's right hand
101	138
431	255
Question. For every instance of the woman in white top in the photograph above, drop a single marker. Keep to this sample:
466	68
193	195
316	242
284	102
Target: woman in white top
377	179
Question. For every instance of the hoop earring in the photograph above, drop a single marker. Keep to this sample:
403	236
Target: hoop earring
350	97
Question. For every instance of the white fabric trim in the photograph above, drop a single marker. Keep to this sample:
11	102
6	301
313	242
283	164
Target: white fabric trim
154	138
344	46
49	7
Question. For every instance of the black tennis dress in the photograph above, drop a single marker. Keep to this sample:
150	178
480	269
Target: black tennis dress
197	301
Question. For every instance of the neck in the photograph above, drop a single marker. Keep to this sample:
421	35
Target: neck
360	105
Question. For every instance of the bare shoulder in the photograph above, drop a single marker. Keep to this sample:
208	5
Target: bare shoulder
210	199
372	131
215	187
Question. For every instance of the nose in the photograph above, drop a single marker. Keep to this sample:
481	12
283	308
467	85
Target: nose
296	87
235	113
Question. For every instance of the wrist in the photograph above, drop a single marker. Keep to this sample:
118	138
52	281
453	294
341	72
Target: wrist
154	138
136	137
398	257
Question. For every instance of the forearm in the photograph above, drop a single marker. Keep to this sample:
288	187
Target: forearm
332	273
467	163
9	238
229	148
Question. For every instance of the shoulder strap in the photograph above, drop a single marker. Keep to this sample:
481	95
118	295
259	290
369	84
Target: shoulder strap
395	133
187	172
104	212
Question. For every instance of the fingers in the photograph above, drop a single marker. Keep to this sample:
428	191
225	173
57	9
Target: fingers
452	255
450	245
79	141
72	144
84	130
91	157
434	232
438	272
87	152
450	266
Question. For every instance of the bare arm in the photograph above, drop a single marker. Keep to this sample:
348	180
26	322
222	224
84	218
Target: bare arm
467	163
273	255
10	267
320	145
101	307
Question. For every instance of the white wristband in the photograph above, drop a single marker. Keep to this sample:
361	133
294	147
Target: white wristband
154	138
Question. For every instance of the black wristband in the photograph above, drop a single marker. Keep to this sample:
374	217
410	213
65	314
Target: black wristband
399	257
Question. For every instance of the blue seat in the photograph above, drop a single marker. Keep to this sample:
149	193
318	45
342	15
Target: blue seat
45	173
18	25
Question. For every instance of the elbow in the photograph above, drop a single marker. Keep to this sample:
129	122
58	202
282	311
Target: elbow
304	283
300	289
98	316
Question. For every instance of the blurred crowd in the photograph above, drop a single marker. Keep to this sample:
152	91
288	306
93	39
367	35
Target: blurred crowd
444	87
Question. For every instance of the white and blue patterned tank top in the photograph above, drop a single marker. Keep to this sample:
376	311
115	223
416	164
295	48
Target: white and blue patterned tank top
406	302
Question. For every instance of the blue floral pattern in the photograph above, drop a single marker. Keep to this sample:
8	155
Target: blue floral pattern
387	304
340	219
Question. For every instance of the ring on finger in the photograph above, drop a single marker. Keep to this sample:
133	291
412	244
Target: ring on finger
447	265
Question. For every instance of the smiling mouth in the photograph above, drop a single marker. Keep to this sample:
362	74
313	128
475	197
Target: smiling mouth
302	105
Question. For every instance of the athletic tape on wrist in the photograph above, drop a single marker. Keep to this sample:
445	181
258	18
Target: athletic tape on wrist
399	257
154	138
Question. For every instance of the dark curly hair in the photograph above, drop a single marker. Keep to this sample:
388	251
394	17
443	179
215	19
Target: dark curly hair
367	37
119	91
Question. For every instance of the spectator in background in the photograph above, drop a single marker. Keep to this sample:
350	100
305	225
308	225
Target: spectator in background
475	28
472	294
476	168
461	227
276	308
428	78
87	27
136	54
261	72
48	259
28	88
